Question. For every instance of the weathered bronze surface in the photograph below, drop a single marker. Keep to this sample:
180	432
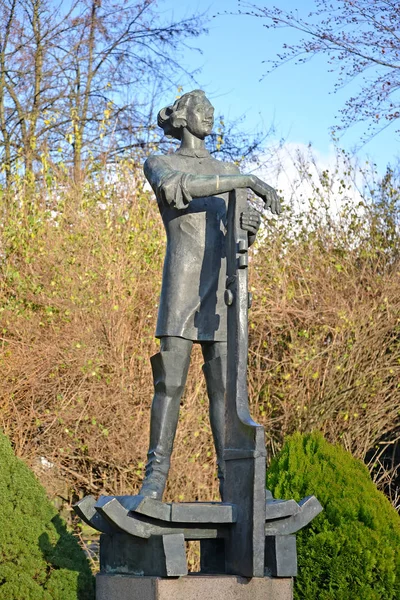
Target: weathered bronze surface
204	300
192	190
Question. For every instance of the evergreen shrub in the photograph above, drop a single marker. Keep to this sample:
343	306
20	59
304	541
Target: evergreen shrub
39	558
351	551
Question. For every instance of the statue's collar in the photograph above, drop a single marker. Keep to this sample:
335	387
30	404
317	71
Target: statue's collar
199	153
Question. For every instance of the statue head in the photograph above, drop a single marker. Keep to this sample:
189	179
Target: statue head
192	111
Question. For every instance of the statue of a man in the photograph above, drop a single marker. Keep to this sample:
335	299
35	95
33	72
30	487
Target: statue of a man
192	193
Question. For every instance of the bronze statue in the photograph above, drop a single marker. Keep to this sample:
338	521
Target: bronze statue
204	300
192	193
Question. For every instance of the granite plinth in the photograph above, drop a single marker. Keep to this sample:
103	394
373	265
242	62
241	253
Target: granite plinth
192	587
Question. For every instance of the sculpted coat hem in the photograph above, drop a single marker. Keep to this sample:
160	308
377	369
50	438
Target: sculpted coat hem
192	296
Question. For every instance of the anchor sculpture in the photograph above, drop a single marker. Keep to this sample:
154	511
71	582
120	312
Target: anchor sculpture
249	533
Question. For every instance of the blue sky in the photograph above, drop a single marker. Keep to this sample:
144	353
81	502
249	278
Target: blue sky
298	100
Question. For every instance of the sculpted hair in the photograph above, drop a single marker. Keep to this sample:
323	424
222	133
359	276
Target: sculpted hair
172	118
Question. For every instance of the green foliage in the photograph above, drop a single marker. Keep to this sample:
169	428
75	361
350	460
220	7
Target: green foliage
351	550
39	558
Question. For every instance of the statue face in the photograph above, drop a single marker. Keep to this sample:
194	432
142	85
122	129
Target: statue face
200	118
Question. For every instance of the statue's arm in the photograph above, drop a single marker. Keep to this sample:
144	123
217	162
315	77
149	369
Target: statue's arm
176	189
210	185
168	184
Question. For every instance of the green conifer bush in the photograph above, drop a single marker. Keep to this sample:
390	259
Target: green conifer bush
39	558
351	551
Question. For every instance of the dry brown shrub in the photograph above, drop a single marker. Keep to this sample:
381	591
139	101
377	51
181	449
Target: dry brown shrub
79	292
325	347
79	303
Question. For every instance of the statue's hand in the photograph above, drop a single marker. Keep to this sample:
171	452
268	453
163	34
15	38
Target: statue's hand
250	221
267	193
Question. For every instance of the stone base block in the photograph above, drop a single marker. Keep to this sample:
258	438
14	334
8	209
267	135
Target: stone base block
192	587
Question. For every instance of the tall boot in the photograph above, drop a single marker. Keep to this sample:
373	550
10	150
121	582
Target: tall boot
170	370
215	375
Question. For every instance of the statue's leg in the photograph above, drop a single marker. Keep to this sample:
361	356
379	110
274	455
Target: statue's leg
214	369
170	368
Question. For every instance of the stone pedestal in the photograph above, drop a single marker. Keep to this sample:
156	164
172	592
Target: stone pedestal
192	587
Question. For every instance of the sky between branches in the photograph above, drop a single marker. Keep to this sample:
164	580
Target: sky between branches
298	100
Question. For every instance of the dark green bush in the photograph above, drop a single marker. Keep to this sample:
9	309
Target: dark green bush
351	551
39	558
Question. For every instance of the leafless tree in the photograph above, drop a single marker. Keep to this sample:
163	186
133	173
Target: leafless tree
113	54
29	31
360	39
82	79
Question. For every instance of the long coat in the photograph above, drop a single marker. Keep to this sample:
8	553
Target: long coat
192	295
